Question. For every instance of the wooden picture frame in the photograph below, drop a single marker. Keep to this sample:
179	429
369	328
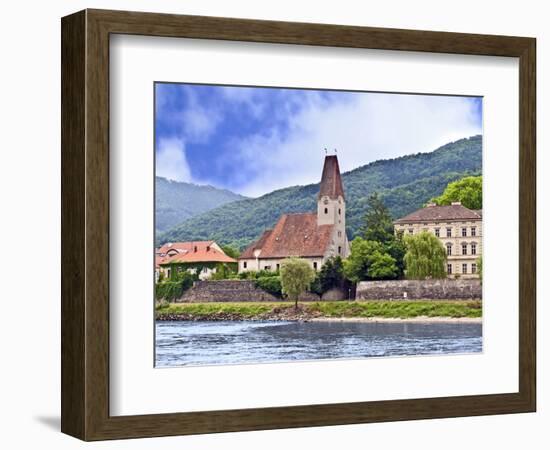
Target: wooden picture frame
85	224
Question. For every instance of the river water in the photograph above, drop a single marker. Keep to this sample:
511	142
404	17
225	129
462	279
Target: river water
182	343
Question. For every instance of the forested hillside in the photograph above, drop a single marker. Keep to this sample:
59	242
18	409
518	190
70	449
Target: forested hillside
177	201
404	184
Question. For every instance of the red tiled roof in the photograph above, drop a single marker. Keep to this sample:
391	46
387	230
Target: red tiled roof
202	254
249	251
331	181
441	213
159	260
293	235
182	246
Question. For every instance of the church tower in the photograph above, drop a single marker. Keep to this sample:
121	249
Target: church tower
331	205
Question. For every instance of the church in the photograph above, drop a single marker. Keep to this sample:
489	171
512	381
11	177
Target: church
314	236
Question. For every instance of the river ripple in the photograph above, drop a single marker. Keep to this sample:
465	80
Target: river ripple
182	343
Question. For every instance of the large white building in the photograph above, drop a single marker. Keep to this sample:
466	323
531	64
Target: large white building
314	236
458	228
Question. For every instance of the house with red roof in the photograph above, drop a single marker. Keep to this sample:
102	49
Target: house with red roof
204	257
314	236
458	228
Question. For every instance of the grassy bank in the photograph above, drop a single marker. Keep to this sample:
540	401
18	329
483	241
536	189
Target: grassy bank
306	310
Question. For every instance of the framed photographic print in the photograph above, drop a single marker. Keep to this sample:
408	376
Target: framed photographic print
266	224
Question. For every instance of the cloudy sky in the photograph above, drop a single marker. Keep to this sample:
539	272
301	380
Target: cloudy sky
255	140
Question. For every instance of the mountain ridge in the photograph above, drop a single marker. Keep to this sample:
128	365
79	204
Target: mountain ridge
176	201
404	184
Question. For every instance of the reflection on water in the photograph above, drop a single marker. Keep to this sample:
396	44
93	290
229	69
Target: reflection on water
181	343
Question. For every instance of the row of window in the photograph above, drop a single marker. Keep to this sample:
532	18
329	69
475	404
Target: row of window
473	268
449	231
339	211
464	268
473	249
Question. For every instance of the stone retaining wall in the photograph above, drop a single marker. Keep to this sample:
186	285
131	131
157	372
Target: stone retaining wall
445	289
336	294
232	291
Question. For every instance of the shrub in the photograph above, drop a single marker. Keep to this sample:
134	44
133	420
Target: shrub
271	284
266	274
172	290
249	275
254	275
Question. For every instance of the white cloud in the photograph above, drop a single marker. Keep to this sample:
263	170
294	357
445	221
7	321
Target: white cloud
199	123
247	97
365	129
171	161
238	93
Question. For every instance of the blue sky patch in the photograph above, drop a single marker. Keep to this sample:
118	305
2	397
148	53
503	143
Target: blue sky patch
253	140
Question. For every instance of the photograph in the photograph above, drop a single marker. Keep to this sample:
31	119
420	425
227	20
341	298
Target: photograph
268	226
298	224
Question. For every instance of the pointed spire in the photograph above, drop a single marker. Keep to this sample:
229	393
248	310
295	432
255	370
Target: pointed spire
331	181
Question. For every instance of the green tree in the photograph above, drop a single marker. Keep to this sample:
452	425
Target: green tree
396	249
378	224
467	190
382	266
331	274
296	277
378	227
369	260
425	257
480	268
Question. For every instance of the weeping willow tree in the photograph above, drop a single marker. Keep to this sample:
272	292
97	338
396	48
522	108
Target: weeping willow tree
425	257
296	277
